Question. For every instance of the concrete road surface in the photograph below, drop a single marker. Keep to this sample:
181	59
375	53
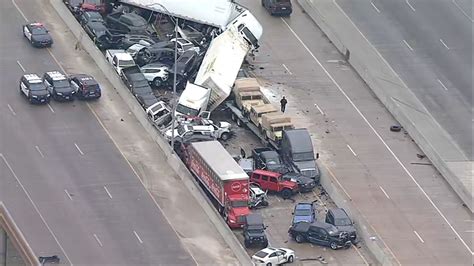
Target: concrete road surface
429	44
66	183
415	214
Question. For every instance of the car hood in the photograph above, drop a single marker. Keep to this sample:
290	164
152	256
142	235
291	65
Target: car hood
97	25
346	228
64	89
40	92
308	166
298	219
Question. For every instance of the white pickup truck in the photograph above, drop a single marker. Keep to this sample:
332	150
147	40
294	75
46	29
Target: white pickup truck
119	60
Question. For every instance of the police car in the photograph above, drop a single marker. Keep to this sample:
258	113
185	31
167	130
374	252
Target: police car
37	34
34	89
86	86
58	85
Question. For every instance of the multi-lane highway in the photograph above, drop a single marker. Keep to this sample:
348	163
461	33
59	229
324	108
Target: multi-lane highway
64	180
414	213
429	43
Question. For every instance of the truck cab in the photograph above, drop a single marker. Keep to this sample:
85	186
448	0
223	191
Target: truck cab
237	208
193	100
159	113
257	111
273	125
273	182
119	60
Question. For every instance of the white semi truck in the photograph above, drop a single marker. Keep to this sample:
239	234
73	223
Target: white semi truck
217	74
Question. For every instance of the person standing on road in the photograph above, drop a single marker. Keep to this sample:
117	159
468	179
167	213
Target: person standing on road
283	103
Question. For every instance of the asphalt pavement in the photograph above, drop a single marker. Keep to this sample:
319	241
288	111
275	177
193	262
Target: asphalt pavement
66	184
430	44
414	213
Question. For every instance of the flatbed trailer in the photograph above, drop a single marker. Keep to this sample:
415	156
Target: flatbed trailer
241	120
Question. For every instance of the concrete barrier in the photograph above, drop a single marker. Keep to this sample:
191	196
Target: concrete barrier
17	237
175	162
432	139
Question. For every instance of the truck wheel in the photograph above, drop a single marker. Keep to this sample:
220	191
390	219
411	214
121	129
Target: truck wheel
233	117
269	264
239	122
333	245
157	82
286	193
264	203
299	239
225	136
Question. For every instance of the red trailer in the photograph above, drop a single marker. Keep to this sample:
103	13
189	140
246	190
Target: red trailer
222	177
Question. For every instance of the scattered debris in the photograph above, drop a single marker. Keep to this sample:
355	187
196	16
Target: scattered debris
421	156
396	128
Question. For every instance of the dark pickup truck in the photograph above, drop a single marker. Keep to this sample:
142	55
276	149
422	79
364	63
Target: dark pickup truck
268	159
133	77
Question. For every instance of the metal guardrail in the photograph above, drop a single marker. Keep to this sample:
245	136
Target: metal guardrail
18	239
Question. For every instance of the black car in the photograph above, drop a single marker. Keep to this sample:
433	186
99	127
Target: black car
86	86
89	16
319	233
159	52
339	218
58	85
268	159
305	184
127	23
37	35
278	7
34	89
254	231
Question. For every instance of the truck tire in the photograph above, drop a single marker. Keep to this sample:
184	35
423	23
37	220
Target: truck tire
225	136
286	193
233	117
299	239
239	122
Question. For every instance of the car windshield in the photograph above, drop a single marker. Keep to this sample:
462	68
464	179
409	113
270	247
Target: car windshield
39	31
186	110
261	254
342	222
306	212
239	204
255	228
273	161
187	46
308	172
91	87
303	156
181	130
63	83
126	63
37	87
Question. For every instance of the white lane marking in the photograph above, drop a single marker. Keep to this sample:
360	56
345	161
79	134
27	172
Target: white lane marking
383	190
51	108
319	109
98	240
19	10
409	4
419	237
373	5
20	65
11	109
445	45
462	11
360	254
409	47
68	195
442	84
39	151
287	70
108	193
138	237
355	154
373	129
79	149
34	206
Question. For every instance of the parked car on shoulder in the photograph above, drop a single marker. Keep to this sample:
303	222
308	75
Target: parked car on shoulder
254	231
58	85
339	218
304	212
34	89
278	7
86	86
273	256
319	233
37	34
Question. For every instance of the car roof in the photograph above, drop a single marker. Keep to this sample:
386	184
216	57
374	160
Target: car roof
56	75
32	78
304	206
267	173
85	79
154	65
338	213
254	219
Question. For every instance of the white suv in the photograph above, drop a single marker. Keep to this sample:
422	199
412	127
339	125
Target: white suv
220	131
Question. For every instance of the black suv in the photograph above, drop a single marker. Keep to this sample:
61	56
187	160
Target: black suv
254	231
278	7
37	35
305	184
86	86
58	85
34	89
339	218
319	233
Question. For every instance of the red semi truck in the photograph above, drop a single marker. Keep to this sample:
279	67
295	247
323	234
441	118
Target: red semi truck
223	178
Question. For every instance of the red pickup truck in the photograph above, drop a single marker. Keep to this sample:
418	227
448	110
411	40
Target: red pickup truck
273	182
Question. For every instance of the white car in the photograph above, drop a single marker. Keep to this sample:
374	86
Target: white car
185	45
219	131
155	73
273	256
